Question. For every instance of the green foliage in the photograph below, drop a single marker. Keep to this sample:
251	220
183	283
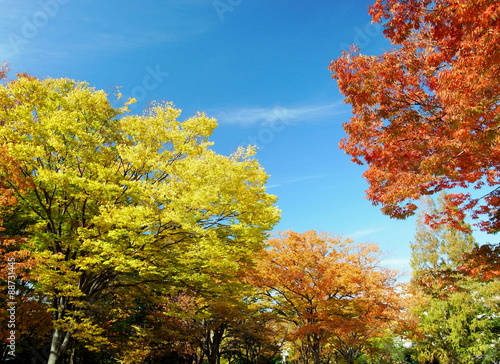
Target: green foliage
457	309
463	327
440	247
389	349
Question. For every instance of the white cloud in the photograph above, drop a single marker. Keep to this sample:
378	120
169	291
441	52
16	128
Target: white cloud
249	116
109	42
298	179
33	29
363	233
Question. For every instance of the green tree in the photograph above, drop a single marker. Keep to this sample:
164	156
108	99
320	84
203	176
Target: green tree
457	313
440	247
389	349
462	326
121	200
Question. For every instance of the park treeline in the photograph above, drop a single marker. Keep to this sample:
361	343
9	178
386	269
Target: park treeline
128	239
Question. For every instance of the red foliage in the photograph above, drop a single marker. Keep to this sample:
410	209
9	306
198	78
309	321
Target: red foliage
483	262
426	114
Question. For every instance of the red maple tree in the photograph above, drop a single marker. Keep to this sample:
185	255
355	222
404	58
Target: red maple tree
426	113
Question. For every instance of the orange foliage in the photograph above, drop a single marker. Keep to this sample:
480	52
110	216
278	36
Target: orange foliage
32	321
3	71
329	288
426	114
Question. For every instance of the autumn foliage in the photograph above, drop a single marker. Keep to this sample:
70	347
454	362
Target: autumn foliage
482	262
426	113
331	290
106	201
135	242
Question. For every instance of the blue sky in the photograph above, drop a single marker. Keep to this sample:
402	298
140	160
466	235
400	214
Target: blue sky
259	66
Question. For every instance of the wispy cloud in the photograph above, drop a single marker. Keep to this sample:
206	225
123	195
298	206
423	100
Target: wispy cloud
92	33
97	43
363	233
298	179
249	116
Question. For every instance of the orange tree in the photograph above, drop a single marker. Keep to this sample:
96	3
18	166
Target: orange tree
482	262
331	290
194	327
24	319
426	113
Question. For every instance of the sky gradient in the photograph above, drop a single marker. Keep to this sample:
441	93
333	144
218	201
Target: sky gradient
259	66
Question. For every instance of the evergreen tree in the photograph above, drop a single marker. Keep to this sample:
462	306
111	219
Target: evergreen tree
457	313
440	247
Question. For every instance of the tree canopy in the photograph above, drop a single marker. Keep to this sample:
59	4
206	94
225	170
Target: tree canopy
128	239
331	291
118	200
426	113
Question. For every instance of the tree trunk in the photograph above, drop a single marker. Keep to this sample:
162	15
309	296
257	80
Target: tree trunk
350	353
58	346
60	339
316	349
72	356
212	344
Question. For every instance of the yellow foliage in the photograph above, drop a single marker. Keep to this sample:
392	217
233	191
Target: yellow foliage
129	199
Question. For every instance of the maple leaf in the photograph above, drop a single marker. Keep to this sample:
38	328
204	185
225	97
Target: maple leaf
426	113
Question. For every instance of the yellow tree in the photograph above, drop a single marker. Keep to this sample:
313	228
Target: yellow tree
122	200
330	289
